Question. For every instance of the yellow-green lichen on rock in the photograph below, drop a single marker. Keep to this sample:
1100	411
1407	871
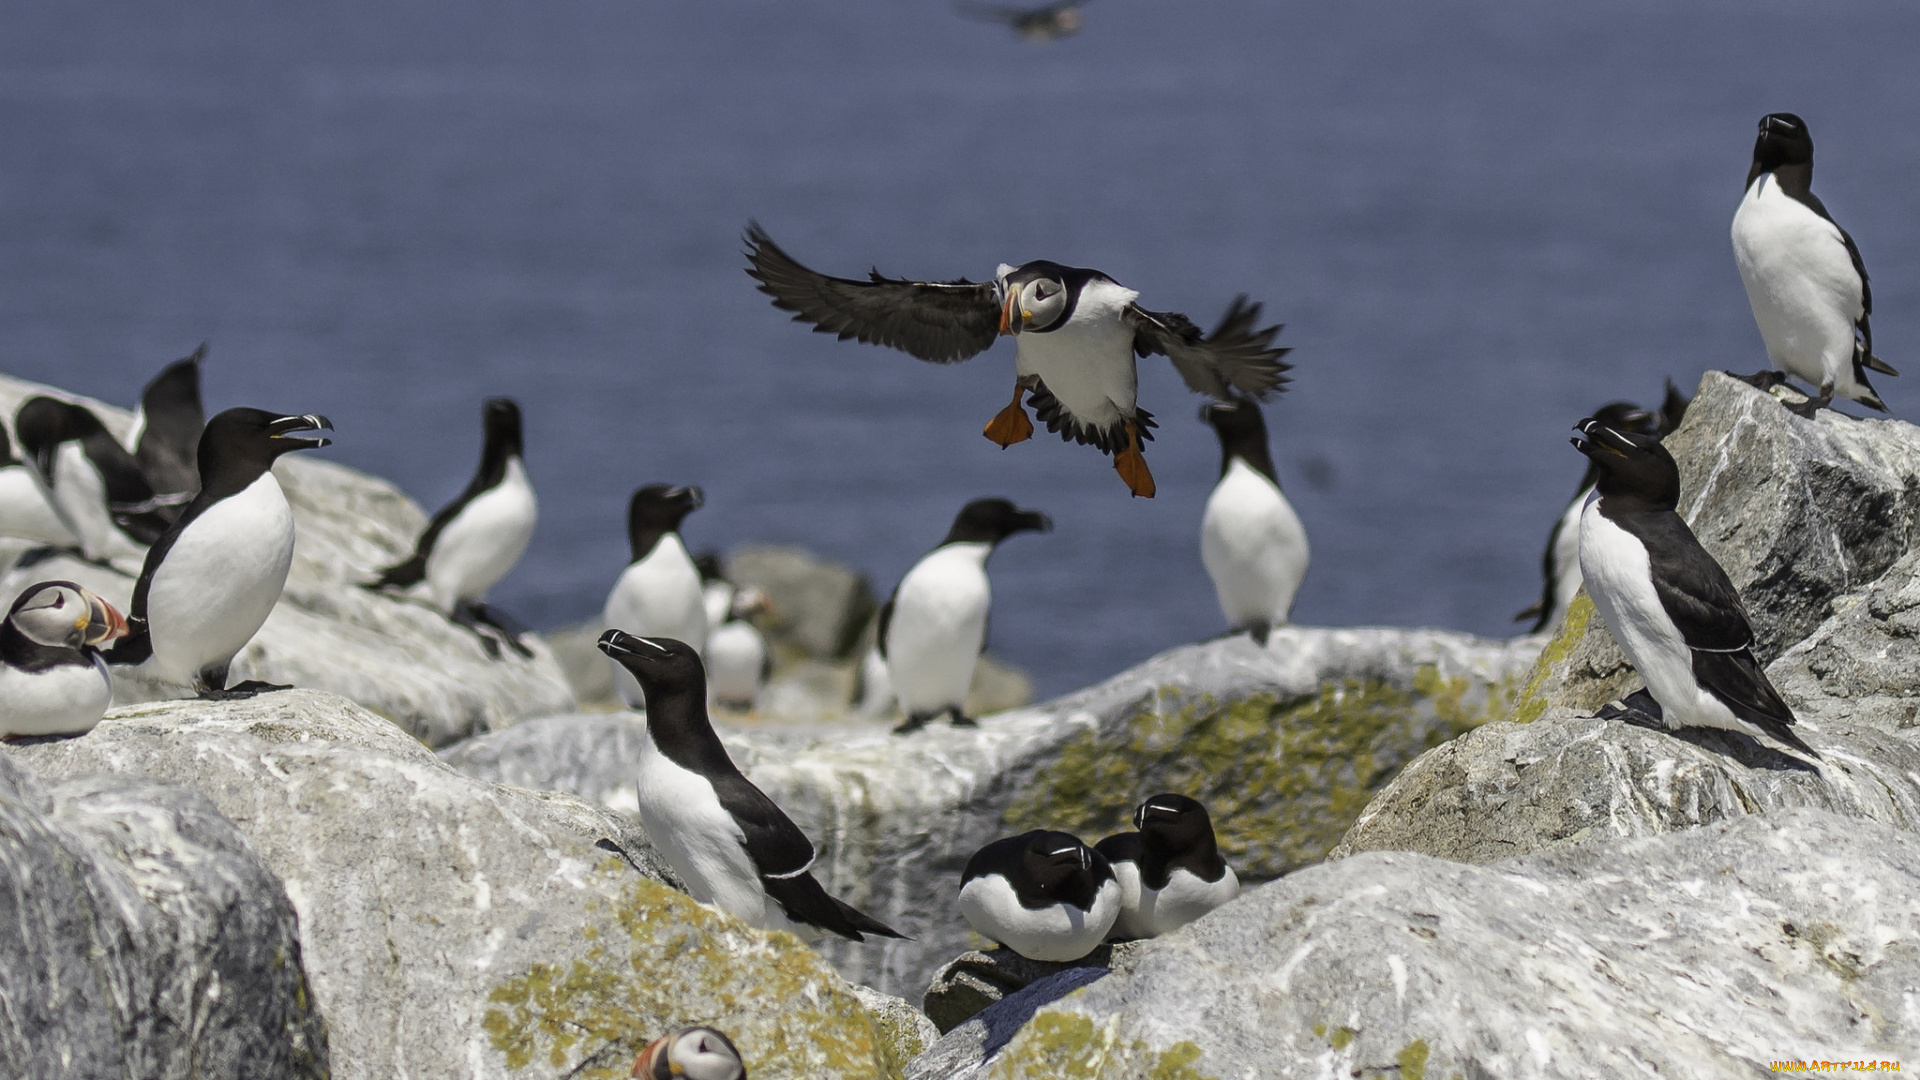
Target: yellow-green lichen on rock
1060	1044
661	961
1581	668
1282	779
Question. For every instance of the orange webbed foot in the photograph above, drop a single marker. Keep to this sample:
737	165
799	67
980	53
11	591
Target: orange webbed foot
1010	425
1131	464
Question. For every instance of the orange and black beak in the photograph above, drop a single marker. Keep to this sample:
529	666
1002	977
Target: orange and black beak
103	623
652	1063
1011	317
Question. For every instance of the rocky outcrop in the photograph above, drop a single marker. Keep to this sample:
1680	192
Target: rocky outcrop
1285	745
141	936
396	656
452	926
1707	954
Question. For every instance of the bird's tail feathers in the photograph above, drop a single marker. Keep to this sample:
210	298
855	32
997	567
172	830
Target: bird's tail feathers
866	923
402	576
1878	365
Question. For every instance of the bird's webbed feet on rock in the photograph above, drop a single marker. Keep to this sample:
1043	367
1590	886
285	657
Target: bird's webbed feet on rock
961	719
1762	381
1131	464
491	627
914	722
1010	425
1637	708
248	689
1807	408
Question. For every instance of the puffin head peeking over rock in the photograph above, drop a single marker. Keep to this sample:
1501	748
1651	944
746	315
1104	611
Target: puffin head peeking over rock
692	1053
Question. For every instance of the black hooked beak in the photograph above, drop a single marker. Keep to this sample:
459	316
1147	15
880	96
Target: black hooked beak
618	643
1152	811
694	496
291	429
1034	520
1600	436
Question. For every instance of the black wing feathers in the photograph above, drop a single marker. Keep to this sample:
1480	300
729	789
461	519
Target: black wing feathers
1237	355
941	322
781	853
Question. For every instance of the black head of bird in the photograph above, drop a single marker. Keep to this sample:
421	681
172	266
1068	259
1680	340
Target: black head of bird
43	423
693	1053
657	509
1784	140
1626	416
500	418
989	521
1634	467
1171	822
63	615
256	437
1055	862
660	665
1034	298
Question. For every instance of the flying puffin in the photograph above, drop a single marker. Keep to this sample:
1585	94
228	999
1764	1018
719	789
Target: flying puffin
165	437
1169	869
934	626
211	581
692	1053
728	842
474	540
1043	894
1803	274
659	593
1671	607
25	513
90	481
1050	22
1251	541
52	679
1076	333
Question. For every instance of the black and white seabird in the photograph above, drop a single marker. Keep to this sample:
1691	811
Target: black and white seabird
738	659
1170	870
1803	273
211	581
1043	894
659	594
52	679
25	513
90	480
165	438
477	538
730	845
1076	333
715	588
1669	604
1049	22
1251	541
934	626
692	1053
1560	564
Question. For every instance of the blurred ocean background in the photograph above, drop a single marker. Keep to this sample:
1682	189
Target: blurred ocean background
1478	220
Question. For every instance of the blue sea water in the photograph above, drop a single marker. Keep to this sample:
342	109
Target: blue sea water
1479	220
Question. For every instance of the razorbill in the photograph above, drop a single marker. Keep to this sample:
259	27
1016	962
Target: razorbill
25	513
1560	564
1669	604
715	589
1043	894
659	593
1251	541
1049	22
90	480
165	438
475	539
211	580
691	1053
1803	273
1076	333
934	626
1169	869
738	660
728	842
52	679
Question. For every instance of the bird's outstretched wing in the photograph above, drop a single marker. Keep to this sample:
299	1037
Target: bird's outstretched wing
941	322
1012	14
1236	355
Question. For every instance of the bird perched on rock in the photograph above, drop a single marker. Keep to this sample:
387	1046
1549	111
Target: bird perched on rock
934	627
212	579
25	513
715	589
90	480
738	660
1803	274
1251	541
477	538
165	438
1050	22
728	842
52	679
659	594
1560	564
1043	894
1076	332
692	1053
1671	607
1170	870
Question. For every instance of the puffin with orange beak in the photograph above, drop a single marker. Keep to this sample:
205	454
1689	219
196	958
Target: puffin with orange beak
1076	333
53	680
696	1053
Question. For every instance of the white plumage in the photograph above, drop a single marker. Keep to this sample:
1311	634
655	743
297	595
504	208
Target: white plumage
483	541
1146	912
66	699
657	596
1057	932
736	664
1566	559
25	513
78	494
938	627
1800	280
216	585
1254	547
1087	363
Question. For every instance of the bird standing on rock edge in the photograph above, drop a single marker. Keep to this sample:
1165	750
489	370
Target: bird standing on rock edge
1670	606
1251	541
1076	332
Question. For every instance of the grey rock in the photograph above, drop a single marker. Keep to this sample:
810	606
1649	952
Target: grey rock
433	906
140	936
1702	954
974	981
906	1030
970	1044
819	606
394	655
1285	744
